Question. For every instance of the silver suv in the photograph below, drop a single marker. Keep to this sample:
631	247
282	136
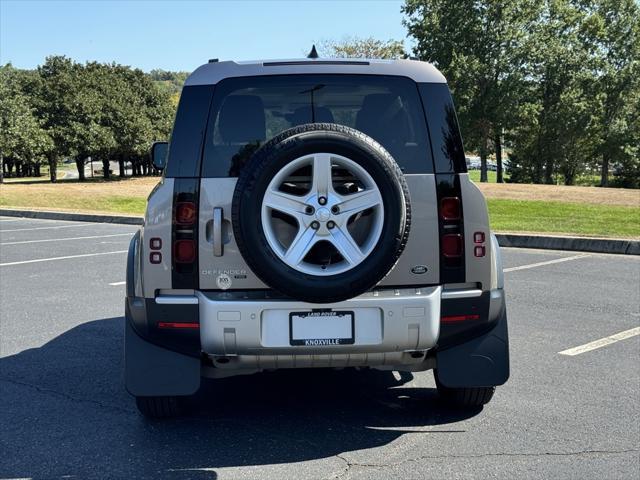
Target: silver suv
314	213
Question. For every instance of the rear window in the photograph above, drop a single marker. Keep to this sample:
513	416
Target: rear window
248	111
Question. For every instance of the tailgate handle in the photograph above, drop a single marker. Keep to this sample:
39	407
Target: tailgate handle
218	249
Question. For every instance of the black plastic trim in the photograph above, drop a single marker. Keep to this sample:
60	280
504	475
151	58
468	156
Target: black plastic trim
480	362
451	270
144	314
150	370
460	332
131	265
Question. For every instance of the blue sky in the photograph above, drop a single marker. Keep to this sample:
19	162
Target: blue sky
180	35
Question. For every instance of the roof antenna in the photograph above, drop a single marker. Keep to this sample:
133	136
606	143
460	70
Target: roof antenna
313	53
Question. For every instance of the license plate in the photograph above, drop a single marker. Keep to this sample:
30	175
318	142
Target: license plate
321	328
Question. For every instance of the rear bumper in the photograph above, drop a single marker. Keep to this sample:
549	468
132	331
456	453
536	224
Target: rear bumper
385	321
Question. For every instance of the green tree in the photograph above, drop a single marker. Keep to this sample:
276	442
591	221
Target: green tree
553	120
479	47
55	105
22	136
356	47
611	31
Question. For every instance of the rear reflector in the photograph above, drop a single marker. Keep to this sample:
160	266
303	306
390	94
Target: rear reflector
450	208
459	318
452	245
185	213
178	325
184	251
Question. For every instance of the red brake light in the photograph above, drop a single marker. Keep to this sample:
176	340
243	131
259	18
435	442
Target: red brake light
452	245
186	213
459	318
450	208
184	251
177	325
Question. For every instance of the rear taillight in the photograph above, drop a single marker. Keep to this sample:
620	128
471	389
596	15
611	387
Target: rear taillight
451	230
184	237
184	251
186	213
450	208
452	245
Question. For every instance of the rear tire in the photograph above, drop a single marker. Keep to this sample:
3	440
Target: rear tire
465	397
159	407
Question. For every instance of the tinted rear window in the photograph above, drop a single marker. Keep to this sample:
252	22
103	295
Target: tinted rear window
248	111
188	133
448	152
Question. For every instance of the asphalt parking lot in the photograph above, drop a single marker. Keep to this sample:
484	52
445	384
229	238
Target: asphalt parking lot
64	411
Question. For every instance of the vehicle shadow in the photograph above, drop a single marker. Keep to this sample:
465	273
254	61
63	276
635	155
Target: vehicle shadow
64	412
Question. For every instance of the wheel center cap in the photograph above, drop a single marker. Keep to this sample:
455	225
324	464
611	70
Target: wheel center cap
323	214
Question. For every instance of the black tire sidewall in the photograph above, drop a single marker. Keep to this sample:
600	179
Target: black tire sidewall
275	155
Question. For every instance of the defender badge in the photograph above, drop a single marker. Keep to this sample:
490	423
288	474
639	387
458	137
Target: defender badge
223	281
419	269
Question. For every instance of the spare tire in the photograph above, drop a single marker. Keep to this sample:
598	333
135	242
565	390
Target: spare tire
321	212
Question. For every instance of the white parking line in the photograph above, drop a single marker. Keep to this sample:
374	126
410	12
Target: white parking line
10	219
603	342
71	238
541	264
61	258
47	228
114	284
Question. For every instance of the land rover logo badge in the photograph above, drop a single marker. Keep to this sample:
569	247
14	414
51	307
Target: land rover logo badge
419	269
223	281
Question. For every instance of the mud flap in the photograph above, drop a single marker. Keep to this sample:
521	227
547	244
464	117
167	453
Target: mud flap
154	371
480	362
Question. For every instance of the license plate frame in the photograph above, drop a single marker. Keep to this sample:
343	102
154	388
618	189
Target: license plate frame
329	315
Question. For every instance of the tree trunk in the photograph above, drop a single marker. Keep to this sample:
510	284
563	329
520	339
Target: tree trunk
498	142
53	168
548	170
121	166
105	168
144	169
1	168
483	159
80	167
604	174
37	170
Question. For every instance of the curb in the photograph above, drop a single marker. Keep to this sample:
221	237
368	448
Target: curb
516	240
578	244
76	217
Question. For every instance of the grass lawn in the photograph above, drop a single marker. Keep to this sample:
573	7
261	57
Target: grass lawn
589	211
475	176
508	215
95	195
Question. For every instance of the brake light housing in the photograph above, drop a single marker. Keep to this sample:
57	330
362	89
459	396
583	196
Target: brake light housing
184	234
451	228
